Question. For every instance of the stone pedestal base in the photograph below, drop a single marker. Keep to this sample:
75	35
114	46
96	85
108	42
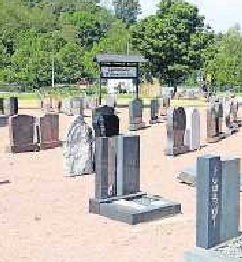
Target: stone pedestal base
176	151
212	139
23	148
202	255
134	209
50	145
137	126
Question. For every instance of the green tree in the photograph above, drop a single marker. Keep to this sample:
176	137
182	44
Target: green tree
127	10
226	65
174	40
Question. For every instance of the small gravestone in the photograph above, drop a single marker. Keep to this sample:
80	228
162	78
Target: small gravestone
21	131
48	131
192	135
46	105
67	106
11	106
154	111
117	184
212	124
135	115
217	211
176	127
164	103
77	105
77	149
105	122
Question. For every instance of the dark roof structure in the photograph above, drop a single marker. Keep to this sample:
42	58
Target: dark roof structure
118	58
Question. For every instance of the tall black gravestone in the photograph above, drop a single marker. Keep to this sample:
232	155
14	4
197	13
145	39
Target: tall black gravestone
105	122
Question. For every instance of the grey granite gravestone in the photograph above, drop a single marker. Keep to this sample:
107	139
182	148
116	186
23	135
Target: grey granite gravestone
154	111
21	132
135	115
230	198
208	201
77	149
117	175
48	131
176	127
128	165
218	207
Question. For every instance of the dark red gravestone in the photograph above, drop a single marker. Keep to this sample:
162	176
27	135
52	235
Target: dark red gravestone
21	131
48	131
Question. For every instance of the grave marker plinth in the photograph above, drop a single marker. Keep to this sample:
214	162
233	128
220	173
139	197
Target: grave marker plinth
117	188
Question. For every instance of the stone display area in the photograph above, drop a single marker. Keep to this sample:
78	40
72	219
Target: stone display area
42	210
117	184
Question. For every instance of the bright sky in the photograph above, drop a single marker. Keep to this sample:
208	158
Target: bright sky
220	14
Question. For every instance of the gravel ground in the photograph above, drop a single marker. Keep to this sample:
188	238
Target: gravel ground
44	216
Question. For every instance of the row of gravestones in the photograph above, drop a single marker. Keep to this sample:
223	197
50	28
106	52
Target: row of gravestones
183	125
217	210
222	118
28	133
69	106
158	111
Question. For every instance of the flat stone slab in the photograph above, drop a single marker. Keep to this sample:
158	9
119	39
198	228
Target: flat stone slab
188	176
134	209
202	255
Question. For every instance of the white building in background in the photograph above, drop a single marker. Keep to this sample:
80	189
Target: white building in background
115	86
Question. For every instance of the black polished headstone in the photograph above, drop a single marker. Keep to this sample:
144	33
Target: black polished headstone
105	122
